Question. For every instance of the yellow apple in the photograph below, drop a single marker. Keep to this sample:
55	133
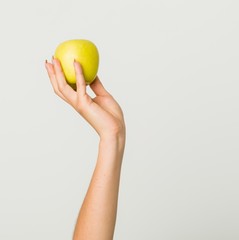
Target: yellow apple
83	51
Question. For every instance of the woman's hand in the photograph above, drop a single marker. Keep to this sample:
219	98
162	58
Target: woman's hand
97	216
102	112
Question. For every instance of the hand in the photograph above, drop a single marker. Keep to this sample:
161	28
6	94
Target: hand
103	113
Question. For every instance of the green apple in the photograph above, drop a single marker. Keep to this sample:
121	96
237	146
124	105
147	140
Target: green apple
83	51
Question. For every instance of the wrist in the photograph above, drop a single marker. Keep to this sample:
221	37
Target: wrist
115	137
116	142
112	148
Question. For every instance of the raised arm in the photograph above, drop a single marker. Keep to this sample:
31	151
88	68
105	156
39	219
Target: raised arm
97	216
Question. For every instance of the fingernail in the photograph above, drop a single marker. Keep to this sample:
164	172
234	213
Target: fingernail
46	61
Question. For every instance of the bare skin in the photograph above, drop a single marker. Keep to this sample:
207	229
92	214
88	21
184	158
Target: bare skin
97	216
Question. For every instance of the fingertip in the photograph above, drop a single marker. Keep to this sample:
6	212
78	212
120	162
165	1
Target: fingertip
95	81
98	87
80	79
54	60
79	72
77	66
57	65
75	62
46	63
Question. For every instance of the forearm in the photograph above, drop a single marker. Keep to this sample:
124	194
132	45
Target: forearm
96	220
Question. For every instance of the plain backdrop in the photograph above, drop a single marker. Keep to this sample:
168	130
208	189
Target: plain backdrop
173	67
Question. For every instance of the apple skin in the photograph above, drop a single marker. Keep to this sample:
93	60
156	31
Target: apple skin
83	51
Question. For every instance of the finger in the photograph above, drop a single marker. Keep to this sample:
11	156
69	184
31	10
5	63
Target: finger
63	86
51	75
98	88
80	79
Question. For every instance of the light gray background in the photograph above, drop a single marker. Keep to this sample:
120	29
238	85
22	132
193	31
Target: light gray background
173	67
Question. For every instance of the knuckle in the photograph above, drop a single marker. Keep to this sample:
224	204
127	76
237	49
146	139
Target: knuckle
55	91
80	105
61	87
